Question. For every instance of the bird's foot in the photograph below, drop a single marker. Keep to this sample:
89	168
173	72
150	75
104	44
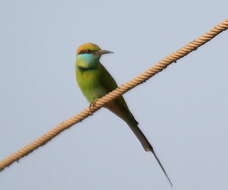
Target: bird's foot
92	105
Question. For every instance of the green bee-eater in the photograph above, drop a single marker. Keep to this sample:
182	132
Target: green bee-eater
95	81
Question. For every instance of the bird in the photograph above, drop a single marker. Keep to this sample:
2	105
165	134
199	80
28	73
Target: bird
95	81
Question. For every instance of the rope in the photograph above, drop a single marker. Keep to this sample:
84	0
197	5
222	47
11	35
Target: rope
117	92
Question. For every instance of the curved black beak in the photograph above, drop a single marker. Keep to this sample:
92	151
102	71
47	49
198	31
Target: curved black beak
102	52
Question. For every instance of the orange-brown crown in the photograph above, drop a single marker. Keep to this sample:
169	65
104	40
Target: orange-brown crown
88	47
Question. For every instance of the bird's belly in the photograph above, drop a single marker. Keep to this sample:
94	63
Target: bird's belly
93	93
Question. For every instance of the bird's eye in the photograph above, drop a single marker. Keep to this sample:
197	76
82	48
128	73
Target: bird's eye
86	51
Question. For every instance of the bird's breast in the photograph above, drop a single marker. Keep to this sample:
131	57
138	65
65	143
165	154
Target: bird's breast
90	84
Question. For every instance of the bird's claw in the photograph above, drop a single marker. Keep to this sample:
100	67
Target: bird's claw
92	105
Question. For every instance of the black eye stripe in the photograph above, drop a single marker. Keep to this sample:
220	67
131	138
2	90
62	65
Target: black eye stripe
87	51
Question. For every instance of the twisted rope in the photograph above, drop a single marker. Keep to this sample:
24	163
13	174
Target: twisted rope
117	92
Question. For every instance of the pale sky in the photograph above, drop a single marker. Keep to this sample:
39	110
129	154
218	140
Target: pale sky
182	111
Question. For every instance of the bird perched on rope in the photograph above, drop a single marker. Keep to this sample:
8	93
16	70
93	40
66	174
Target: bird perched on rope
95	81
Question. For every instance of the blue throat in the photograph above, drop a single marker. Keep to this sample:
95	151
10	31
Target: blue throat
87	61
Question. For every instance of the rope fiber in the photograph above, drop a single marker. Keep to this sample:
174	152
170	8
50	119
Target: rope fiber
158	67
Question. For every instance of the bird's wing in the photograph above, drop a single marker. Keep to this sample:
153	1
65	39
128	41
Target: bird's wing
110	84
106	78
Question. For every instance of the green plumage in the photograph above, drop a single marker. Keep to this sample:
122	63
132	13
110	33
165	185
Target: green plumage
95	81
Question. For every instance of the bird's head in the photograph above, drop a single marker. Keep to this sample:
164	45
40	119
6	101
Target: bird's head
88	55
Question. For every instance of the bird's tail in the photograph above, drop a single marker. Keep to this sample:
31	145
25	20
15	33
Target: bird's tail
126	115
133	124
